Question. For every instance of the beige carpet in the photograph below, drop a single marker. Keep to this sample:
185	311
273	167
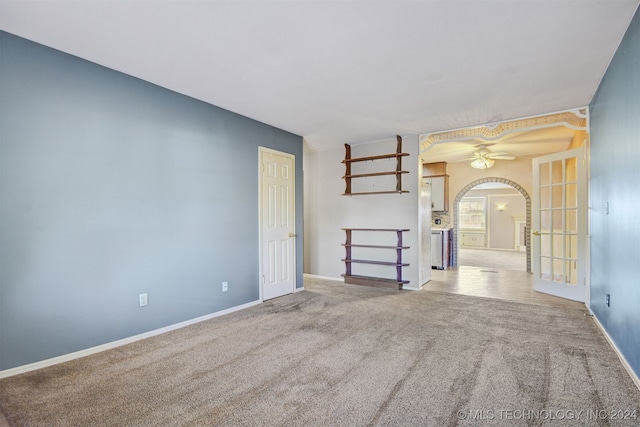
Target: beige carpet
343	355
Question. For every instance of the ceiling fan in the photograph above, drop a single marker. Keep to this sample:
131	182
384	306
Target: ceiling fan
484	159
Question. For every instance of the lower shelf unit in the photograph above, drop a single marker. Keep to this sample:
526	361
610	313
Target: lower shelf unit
379	282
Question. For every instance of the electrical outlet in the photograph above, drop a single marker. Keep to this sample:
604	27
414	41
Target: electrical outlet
225	286
608	300
143	300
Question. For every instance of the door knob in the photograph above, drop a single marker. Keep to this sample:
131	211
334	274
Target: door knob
536	233
292	235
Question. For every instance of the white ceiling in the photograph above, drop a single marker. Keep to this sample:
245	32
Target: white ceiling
347	71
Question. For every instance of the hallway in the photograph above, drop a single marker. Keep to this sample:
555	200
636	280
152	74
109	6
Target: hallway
493	283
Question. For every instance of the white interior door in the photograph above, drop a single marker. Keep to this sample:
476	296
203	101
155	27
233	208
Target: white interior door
558	215
277	223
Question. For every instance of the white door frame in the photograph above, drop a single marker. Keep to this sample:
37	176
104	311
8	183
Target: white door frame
261	278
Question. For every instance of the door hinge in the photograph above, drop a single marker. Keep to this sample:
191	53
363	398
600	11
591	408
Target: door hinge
263	279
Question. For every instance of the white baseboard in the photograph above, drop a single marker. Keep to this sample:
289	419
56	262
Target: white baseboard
613	345
108	346
315	276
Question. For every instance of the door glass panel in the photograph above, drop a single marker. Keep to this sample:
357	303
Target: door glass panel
571	195
556	172
571	224
544	174
571	247
545	221
571	169
558	245
557	221
544	198
558	270
545	268
571	273
545	245
556	199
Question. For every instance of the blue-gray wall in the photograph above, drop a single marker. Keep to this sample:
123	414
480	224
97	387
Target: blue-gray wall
110	187
615	179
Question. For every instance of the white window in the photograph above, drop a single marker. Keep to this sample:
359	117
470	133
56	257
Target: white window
472	213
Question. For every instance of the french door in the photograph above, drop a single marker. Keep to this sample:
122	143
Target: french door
559	214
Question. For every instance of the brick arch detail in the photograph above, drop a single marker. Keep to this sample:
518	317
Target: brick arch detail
456	225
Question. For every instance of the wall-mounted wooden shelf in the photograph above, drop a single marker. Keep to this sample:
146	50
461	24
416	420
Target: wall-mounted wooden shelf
370	280
348	176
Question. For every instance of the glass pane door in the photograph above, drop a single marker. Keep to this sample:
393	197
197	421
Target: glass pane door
558	221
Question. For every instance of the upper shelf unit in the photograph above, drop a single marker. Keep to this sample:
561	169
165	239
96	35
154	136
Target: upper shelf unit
398	172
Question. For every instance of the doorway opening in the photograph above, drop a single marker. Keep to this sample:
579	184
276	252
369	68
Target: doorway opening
482	212
488	154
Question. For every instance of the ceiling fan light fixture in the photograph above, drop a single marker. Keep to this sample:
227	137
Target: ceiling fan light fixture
482	163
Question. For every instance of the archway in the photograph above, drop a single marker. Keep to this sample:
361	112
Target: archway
483	181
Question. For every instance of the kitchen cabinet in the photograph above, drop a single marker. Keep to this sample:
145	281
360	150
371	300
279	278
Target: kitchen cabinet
435	174
439	192
473	240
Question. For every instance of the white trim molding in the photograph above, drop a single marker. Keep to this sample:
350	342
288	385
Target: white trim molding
108	346
315	276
